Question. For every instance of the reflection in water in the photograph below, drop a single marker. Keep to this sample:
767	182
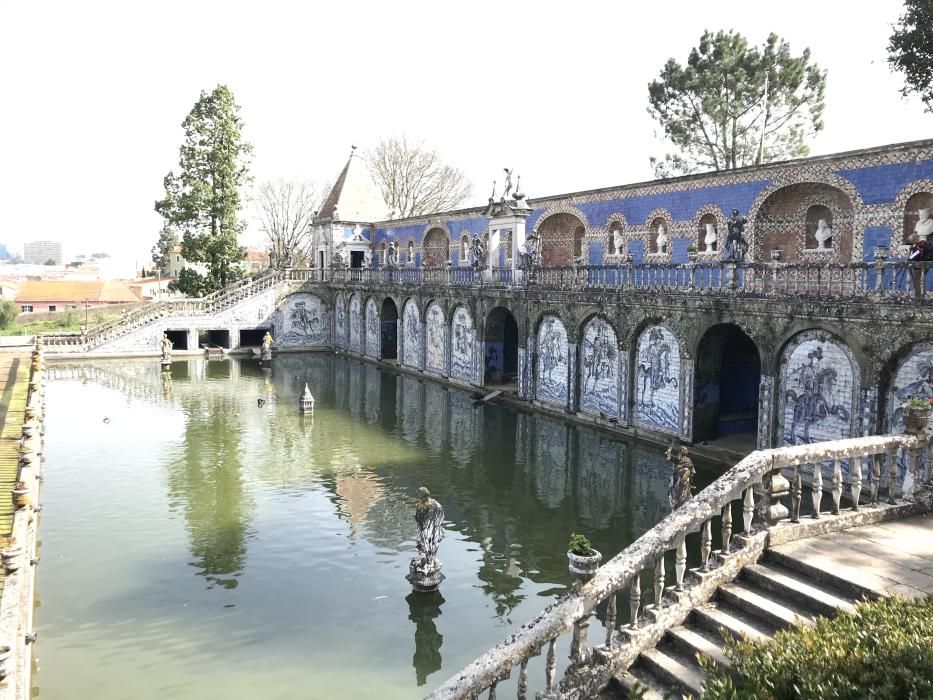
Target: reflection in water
423	608
312	516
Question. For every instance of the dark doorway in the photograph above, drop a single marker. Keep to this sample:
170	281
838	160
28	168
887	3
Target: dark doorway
179	339
251	337
219	338
356	259
728	372
500	347
389	330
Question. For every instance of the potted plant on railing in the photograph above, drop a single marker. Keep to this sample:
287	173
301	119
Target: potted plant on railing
916	414
584	560
21	497
692	253
776	255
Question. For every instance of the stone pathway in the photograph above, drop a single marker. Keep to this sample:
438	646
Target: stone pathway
14	386
887	558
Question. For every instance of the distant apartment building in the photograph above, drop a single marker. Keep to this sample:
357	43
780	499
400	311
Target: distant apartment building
41	252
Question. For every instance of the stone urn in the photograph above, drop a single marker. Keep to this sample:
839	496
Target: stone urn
916	418
583	566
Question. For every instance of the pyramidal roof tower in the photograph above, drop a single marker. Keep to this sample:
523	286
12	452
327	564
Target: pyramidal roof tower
354	197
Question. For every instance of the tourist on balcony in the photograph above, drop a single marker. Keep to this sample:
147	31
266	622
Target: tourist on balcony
918	255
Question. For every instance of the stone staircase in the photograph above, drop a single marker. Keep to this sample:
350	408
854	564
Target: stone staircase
766	597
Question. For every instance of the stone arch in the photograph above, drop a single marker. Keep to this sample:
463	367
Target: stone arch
819	385
373	332
562	230
355	321
435	247
340	320
435	338
657	379
601	367
777	219
915	196
908	373
500	346
301	320
411	334
462	344
709	214
727	376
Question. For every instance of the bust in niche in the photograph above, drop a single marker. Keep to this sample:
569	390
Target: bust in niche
617	241
823	234
662	238
709	241
924	225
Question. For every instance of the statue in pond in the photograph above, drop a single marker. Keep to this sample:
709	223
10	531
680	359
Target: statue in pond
166	346
681	488
266	353
424	572
736	244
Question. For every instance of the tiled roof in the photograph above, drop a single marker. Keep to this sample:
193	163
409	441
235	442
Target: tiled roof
110	291
354	197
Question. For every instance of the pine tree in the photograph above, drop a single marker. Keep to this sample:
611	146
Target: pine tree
202	200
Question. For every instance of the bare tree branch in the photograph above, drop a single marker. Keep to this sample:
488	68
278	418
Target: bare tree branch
285	210
413	179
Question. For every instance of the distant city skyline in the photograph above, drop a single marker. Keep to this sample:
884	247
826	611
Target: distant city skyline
562	99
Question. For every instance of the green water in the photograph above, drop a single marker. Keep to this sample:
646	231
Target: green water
198	545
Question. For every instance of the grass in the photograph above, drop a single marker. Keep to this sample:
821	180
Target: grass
67	322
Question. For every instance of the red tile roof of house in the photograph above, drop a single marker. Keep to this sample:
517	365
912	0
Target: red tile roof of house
102	291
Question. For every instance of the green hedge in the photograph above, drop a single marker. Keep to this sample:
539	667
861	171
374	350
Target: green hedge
882	650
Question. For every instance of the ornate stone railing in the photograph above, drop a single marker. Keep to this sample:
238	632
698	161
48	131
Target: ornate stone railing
898	279
747	489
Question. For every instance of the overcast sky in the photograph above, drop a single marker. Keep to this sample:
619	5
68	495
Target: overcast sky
94	93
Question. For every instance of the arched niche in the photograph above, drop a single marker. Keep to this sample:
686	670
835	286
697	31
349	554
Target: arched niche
389	329
356	325
464	250
411	334
788	218
340	321
599	368
462	342
657	379
372	329
561	237
615	241
501	346
659	237
551	371
435	353
436	248
708	234
918	217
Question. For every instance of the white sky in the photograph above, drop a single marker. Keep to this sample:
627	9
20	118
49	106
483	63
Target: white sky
93	93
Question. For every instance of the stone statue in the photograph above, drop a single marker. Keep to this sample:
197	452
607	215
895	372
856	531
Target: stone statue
464	251
508	183
662	238
392	254
618	240
528	251
681	487
266	353
709	241
924	225
736	245
424	572
166	346
823	234
367	259
478	249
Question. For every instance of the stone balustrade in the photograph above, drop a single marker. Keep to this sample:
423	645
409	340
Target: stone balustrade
739	506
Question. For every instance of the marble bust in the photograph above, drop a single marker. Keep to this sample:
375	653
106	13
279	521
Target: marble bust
709	241
823	234
924	225
662	238
617	241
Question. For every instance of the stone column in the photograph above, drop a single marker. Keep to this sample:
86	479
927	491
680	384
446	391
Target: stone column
522	382
447	340
686	398
765	411
571	406
622	387
422	344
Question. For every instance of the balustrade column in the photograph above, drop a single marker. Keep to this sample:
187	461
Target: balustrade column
837	485
892	477
855	477
727	529
659	581
748	509
634	600
817	489
680	560
875	477
706	544
796	491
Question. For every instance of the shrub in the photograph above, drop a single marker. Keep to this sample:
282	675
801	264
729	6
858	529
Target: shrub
882	650
580	546
8	312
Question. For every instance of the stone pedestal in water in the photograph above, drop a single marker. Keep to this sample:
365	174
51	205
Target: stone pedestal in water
424	571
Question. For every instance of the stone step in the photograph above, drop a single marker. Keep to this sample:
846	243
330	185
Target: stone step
850	589
722	619
758	603
674	670
623	686
692	641
785	583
